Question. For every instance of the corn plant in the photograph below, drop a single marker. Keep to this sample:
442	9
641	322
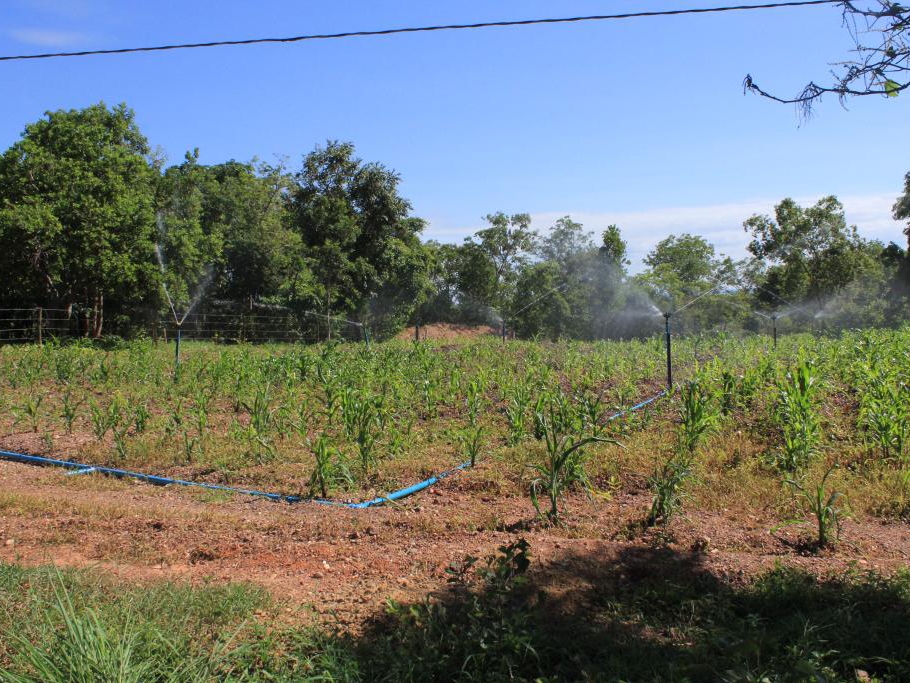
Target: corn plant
330	467
516	413
175	419
105	419
471	438
70	409
884	415
31	409
826	508
729	384
699	415
667	486
120	431
563	466
797	418
592	409
258	432
330	392
141	417
360	417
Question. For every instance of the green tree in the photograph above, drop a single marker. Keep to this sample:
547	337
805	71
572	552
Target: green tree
188	245
681	268
507	244
261	254
614	249
902	265
810	253
227	223
358	238
77	218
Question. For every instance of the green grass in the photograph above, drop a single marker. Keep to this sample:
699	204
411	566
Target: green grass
649	615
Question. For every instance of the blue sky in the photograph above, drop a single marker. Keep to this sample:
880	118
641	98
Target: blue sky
640	122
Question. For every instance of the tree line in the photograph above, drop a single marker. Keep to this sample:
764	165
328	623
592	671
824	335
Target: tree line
93	220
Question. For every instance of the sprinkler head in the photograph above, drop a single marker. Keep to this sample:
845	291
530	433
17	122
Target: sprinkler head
668	315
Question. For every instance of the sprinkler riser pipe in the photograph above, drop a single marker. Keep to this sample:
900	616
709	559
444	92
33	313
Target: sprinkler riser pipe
669	344
177	351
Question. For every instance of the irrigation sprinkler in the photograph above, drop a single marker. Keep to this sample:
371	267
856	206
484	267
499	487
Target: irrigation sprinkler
417	331
177	348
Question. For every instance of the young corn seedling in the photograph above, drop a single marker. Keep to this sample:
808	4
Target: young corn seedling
141	417
592	410
258	433
797	418
330	391
516	413
826	508
329	468
70	409
563	465
667	485
32	410
699	416
884	416
104	419
360	418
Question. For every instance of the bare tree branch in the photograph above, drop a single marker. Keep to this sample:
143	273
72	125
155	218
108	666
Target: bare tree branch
881	32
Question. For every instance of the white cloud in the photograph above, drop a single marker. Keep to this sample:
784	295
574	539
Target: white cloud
48	37
720	224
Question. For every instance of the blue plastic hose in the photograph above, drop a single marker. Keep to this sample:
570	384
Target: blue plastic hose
83	468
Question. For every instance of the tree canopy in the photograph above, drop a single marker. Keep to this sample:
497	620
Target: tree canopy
91	221
77	213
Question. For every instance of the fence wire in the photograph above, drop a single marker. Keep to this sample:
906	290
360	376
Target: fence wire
38	325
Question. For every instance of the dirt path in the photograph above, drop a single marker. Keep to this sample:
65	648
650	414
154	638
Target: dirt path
346	563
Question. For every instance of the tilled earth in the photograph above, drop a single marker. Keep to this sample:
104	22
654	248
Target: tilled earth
340	564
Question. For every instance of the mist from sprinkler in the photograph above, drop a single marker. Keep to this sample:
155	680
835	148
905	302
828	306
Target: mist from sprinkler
197	297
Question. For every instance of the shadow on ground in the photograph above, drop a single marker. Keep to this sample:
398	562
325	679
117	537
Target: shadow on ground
646	614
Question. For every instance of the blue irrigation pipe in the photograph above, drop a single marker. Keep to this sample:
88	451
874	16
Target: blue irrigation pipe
84	468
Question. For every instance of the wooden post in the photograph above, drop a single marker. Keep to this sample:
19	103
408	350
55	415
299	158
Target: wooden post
40	324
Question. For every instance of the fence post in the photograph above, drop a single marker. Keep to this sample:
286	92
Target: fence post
40	324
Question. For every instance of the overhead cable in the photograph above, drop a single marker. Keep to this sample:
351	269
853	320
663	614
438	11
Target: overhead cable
423	29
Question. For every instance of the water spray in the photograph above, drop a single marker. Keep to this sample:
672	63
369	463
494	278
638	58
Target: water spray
527	306
364	332
668	337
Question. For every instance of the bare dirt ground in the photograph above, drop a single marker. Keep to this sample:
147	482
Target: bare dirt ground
449	332
339	564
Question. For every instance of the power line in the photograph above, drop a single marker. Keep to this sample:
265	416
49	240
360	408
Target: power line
424	29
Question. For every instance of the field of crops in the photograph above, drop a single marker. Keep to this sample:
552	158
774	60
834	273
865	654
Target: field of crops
759	456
